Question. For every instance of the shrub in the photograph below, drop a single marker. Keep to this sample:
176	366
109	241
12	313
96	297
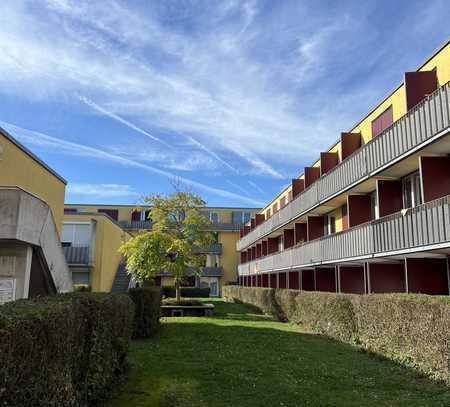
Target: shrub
411	329
187	292
83	288
147	303
66	350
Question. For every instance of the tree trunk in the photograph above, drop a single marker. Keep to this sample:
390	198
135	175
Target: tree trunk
177	290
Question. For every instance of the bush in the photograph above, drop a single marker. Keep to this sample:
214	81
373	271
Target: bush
187	292
411	329
82	288
66	350
147	302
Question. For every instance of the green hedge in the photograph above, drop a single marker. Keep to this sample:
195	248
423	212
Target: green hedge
411	329
66	350
147	303
187	292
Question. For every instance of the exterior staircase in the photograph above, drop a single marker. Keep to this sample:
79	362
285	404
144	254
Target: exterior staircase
122	279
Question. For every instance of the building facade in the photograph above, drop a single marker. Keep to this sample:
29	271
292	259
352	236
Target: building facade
222	259
31	208
372	214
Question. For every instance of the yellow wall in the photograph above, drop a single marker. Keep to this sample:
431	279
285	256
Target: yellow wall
108	238
397	98
17	168
229	259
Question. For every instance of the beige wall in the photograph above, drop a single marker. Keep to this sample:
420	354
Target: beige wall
17	168
229	259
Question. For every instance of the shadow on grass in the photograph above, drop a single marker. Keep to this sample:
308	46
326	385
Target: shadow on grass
218	362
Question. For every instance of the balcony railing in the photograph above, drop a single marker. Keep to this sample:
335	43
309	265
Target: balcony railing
214	248
77	255
136	224
205	272
424	227
420	126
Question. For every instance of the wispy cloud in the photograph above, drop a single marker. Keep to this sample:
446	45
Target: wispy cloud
252	184
100	191
49	143
238	187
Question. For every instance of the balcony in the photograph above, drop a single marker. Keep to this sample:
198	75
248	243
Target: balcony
422	125
425	227
225	227
205	272
214	248
136	224
77	255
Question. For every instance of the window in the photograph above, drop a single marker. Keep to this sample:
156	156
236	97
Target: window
330	224
412	190
374	205
382	122
282	202
112	213
239	218
76	234
70	210
214	217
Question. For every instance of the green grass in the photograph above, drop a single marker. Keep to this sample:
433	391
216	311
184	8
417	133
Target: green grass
240	358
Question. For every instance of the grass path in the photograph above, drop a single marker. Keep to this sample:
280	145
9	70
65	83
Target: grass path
243	359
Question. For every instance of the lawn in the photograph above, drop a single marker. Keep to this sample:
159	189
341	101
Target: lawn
240	358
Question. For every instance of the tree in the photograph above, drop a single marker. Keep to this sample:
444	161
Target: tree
179	231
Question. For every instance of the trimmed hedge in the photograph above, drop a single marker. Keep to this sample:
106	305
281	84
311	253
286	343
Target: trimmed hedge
147	303
65	350
187	292
411	329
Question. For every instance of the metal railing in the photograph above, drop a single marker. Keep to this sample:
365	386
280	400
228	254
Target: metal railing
136	224
77	255
412	131
424	227
214	248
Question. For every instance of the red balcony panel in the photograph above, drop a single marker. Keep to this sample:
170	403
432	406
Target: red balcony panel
301	232
328	161
136	215
326	279
272	245
382	122
282	280
247	281
427	276
387	277
294	280
264	248
312	174
435	177
289	238
359	209
252	223
258	250
241	233
308	280
249	255
265	280
390	198
315	227
246	230
259	218
418	85
273	280
112	213
352	279
254	253
259	280
298	186
243	257
350	142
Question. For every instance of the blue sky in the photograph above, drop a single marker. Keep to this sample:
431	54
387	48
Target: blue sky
232	97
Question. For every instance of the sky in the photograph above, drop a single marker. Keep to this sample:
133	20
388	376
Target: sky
232	98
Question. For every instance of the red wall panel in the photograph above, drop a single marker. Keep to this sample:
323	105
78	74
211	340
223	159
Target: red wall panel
382	122
311	174
294	282
298	186
252	223
264	248
325	279
427	276
418	85
272	245
315	227
352	279
350	142
289	238
282	280
243	257
390	198
259	218
136	215
435	176
328	161
308	280
265	280
301	232
359	209
387	278
258	250
273	280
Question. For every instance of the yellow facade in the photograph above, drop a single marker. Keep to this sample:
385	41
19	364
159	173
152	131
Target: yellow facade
397	99
108	238
19	167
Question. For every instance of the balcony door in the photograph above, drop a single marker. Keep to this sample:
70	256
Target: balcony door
412	190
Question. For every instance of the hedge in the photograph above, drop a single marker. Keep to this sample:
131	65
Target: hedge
187	292
65	350
411	329
147	303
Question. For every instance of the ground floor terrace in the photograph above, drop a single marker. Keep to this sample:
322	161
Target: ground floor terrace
241	358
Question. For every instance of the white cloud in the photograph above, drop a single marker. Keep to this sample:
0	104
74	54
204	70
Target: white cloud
101	190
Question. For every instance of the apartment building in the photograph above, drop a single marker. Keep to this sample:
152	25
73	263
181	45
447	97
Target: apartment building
31	208
222	259
372	214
